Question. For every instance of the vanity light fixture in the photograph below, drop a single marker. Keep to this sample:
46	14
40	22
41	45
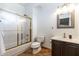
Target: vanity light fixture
65	8
65	16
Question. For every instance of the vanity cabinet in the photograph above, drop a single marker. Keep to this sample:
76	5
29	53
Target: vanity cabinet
61	48
56	48
68	49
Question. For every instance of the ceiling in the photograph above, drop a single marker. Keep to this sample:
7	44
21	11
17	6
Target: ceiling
38	4
29	4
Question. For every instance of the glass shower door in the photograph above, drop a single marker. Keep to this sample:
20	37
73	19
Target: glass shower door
8	27
16	29
23	31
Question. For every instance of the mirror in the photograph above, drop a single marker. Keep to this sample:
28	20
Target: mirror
66	20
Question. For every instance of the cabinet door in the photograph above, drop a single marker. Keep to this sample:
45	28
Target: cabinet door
68	49
56	48
77	50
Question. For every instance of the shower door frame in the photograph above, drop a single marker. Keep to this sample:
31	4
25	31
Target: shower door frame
25	42
30	30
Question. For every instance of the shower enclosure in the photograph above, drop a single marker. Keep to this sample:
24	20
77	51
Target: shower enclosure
15	28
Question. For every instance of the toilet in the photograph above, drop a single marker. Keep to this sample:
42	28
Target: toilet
37	44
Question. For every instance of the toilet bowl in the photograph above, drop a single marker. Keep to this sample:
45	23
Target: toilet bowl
36	46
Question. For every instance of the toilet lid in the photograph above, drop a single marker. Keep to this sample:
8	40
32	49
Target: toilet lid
35	44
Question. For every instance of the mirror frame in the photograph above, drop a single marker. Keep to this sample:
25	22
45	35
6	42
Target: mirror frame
72	20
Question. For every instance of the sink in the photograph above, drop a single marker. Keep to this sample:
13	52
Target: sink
60	38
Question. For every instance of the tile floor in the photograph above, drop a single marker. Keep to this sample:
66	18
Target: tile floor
43	52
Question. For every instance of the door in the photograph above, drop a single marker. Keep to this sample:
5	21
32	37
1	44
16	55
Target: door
16	29
23	31
8	26
56	48
68	49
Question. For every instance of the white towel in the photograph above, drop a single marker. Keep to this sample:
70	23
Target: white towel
2	46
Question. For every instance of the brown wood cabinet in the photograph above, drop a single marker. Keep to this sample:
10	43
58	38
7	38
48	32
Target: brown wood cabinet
60	48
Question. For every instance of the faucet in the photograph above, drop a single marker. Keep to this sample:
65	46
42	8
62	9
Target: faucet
64	35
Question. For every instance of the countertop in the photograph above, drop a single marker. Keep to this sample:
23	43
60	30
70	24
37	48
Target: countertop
73	40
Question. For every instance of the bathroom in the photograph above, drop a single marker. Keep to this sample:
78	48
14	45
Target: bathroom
42	27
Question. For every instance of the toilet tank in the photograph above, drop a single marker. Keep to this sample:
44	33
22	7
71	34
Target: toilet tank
40	39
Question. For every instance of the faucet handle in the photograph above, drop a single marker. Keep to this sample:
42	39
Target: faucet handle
64	35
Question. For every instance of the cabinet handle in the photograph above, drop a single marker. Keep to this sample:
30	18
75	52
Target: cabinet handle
71	46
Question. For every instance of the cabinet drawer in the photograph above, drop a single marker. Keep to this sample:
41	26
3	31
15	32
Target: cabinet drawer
71	44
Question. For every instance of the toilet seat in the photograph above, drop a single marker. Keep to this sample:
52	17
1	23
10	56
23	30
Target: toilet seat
35	45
